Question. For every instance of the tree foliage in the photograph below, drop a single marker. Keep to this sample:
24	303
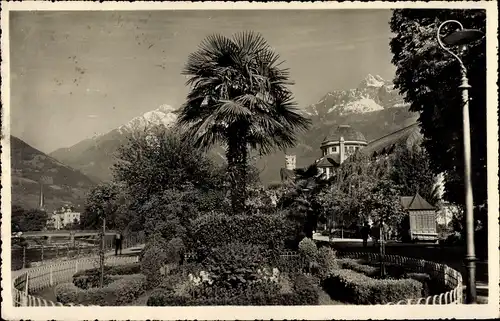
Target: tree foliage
103	201
27	220
301	200
166	183
412	172
429	78
156	160
344	199
239	98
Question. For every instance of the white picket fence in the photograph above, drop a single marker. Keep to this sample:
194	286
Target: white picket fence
443	273
39	278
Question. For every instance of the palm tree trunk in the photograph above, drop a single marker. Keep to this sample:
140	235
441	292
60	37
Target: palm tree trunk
237	169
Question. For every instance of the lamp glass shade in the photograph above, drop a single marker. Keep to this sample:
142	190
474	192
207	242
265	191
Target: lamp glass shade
463	37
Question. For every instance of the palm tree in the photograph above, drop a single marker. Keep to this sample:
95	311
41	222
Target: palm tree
239	98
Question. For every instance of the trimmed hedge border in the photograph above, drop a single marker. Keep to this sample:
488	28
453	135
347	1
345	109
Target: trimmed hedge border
118	292
448	277
350	286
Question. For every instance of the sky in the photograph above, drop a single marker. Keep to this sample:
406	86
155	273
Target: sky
78	74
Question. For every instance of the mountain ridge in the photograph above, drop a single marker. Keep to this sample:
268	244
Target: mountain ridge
373	107
30	167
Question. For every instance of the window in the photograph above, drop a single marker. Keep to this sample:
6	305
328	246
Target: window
334	149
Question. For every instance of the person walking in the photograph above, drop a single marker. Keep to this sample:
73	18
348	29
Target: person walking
118	243
365	232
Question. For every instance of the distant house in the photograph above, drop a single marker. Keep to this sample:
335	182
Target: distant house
63	217
422	218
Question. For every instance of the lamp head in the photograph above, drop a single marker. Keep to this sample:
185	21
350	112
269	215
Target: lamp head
463	37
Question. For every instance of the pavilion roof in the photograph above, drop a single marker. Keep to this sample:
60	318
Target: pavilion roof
416	202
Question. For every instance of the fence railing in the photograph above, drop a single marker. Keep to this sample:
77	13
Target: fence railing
447	276
25	257
26	282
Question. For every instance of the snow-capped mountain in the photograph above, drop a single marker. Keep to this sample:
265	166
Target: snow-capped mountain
95	156
372	94
374	108
164	115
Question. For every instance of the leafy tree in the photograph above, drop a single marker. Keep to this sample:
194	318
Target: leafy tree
170	214
239	98
27	220
344	199
411	170
302	201
429	77
102	202
156	160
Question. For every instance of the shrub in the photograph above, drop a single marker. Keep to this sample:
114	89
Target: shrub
308	249
306	290
234	264
326	260
153	260
352	287
118	292
175	250
423	278
357	266
215	229
91	278
66	293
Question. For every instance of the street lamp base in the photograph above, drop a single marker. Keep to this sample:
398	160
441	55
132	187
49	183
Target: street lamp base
470	265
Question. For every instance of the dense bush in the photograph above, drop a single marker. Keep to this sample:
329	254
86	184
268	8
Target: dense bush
308	249
153	260
352	287
215	229
326	260
235	264
358	266
118	292
90	278
175	250
304	288
67	293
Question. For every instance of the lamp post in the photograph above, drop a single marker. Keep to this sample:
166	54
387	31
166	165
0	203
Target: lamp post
462	37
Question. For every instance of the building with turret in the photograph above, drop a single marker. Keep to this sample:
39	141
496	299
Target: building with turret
343	142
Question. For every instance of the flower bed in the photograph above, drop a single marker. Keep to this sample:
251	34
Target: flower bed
302	292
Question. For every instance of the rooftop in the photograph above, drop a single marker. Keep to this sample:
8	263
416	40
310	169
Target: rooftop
347	132
385	144
416	202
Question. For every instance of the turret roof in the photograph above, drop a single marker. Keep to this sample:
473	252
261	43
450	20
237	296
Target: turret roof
345	131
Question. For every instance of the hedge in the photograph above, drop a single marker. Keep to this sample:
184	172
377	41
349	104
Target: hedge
118	292
353	287
357	266
215	229
91	278
430	285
